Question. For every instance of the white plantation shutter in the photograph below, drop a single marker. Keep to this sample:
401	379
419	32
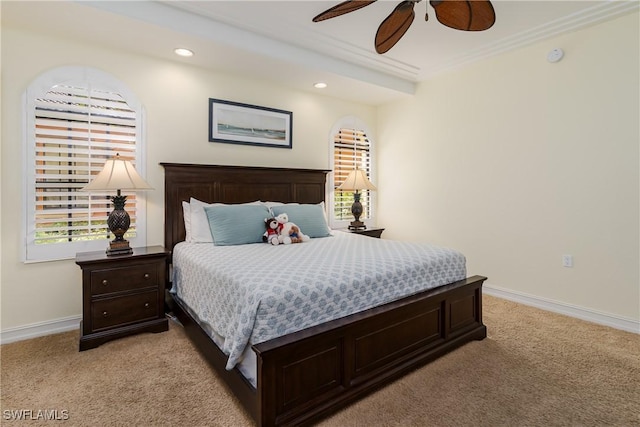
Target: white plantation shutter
351	148
75	127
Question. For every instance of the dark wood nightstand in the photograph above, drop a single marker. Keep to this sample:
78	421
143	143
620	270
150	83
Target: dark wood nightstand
371	232
122	295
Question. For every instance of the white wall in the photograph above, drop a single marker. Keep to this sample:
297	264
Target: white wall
175	97
516	161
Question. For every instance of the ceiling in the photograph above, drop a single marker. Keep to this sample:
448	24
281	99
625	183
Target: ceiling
276	41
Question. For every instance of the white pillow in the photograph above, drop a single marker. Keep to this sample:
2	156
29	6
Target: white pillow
200	229
186	213
272	204
269	205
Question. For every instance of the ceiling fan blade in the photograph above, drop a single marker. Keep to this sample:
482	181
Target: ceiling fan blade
394	26
469	15
342	8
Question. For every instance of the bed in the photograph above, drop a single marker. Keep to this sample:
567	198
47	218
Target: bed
306	375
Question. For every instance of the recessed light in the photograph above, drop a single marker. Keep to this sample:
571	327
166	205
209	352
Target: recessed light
183	52
320	85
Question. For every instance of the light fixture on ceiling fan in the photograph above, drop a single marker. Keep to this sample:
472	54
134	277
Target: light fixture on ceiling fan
465	15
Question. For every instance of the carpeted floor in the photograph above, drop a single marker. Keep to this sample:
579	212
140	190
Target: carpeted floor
534	369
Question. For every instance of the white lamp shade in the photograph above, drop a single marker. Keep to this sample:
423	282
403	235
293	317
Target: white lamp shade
117	174
357	180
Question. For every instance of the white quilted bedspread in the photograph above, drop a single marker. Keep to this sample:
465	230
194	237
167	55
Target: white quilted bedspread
252	293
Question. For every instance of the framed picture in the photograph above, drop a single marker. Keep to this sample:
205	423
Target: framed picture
235	123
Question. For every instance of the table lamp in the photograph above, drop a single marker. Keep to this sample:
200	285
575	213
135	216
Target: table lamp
118	174
356	181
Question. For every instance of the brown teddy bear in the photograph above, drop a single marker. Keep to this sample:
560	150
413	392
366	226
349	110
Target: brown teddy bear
273	231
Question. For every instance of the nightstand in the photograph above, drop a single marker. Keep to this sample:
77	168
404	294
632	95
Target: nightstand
122	295
371	232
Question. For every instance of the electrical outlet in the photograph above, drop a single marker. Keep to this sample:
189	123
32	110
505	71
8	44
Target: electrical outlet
567	261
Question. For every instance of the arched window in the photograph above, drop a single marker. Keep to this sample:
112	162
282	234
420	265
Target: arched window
75	119
351	148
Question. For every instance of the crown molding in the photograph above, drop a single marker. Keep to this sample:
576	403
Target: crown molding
188	22
316	50
334	49
591	16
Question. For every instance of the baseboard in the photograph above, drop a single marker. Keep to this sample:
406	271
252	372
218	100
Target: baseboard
71	323
40	329
625	324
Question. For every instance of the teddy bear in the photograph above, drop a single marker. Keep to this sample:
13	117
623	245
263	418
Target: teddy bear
289	231
293	232
273	231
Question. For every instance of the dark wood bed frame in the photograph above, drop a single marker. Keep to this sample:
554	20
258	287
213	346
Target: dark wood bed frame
307	375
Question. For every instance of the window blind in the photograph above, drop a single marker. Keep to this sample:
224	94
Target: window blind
76	130
351	149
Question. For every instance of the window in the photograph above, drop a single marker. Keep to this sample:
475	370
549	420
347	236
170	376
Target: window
76	118
351	147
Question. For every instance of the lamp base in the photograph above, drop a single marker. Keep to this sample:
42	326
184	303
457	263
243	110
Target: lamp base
356	210
356	225
118	222
119	247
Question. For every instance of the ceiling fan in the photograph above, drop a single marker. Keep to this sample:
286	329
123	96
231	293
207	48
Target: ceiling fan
465	15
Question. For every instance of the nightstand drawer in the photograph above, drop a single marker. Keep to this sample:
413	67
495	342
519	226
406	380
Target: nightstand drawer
122	310
124	278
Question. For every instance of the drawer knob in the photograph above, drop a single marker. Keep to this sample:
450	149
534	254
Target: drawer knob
146	305
105	314
146	275
105	282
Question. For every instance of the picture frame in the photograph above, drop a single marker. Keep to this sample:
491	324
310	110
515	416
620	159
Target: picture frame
236	123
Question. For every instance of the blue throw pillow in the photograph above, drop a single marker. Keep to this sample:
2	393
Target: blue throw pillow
236	224
310	218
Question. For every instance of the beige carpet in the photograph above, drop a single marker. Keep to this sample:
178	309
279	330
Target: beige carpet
534	369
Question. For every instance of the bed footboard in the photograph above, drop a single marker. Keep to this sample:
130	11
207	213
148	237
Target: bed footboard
306	375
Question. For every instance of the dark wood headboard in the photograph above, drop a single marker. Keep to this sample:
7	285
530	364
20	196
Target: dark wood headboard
233	184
